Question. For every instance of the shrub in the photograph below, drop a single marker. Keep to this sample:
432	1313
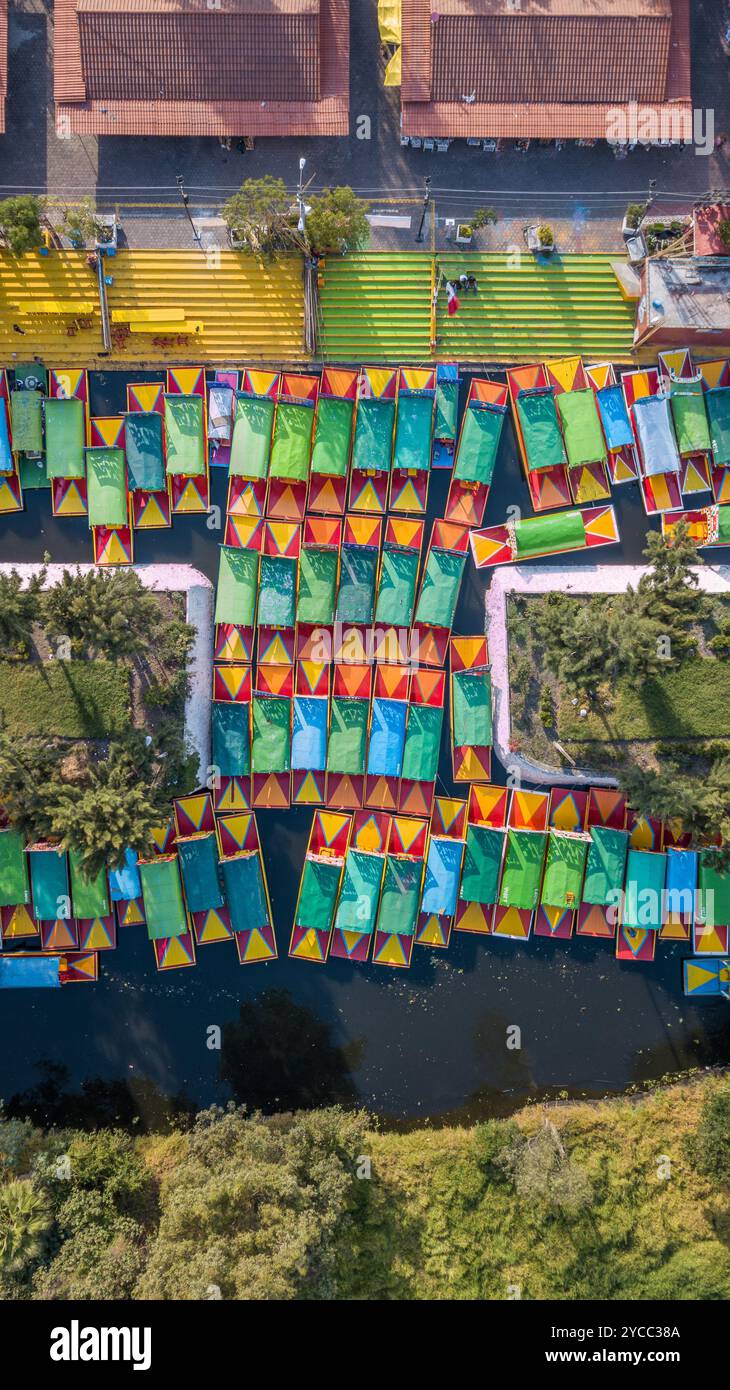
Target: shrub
20	223
337	221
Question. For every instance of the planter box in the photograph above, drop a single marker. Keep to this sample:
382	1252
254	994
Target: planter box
107	241
461	239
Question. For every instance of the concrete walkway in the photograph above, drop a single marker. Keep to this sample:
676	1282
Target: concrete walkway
531	579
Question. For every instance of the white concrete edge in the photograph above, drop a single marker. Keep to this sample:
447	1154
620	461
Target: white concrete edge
533	579
198	591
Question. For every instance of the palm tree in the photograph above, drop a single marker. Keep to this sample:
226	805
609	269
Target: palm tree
25	1221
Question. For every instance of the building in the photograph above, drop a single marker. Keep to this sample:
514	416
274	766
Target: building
202	67
546	69
684	302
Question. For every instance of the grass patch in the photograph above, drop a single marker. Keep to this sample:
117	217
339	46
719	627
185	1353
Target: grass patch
692	701
64	699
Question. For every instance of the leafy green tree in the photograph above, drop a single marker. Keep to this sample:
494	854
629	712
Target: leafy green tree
260	215
110	810
25	1223
20	223
670	590
28	766
110	614
709	1148
701	805
337	221
20	608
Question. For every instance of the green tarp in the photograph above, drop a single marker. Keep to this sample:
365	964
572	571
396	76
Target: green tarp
582	432
564	865
401	897
397	588
106	486
714	910
251	441
49	884
235	599
89	896
65	429
723	525
145	455
27	422
199	869
373	447
277	591
472	711
476	454
318	894
32	472
423	742
645	874
245	892
360	893
292	442
547	535
440	591
271	742
14	890
230	738
522	872
482	864
317	586
356	596
348	736
687	400
447	410
184	435
163	900
414	433
717	400
540	430
605	866
332	437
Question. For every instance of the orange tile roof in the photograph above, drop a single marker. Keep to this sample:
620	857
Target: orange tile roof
3	61
550	68
183	67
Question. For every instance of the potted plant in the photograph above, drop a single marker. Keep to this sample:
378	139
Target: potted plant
80	224
484	217
546	237
464	234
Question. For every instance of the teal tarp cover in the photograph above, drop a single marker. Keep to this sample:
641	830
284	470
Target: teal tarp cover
373	447
414	433
49	884
397	587
332	437
645	874
143	445
717	400
245	892
440	591
356	597
478	444
317	586
482	864
277	591
199	869
360	893
231	739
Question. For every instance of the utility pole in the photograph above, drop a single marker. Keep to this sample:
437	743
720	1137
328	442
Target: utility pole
303	209
185	201
426	201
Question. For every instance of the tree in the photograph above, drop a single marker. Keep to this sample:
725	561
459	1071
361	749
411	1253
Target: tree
25	1222
337	221
709	1148
20	608
260	216
542	1169
110	614
20	223
700	805
27	769
670	591
81	223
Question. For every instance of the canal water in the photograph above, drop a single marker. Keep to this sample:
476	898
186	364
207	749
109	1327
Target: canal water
424	1045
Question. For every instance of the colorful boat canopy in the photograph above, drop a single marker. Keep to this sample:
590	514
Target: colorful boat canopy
690	417
49	884
333	436
106	483
27	416
231	738
374	424
540	535
199	868
185	435
30	972
292	442
717	400
144	450
414	432
348	736
656	436
472	708
481	432
89	896
360	893
397	587
440	590
317	586
482	864
614	417
644	889
423	743
65	437
564	866
538	419
245	892
271	737
235	600
605	866
443	871
581	424
163	899
251	442
714	891
14	889
522	871
401	897
309	734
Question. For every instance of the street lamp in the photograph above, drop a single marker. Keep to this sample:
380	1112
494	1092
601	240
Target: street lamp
426	201
185	200
303	209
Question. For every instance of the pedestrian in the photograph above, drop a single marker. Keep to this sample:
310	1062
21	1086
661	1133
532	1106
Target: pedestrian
452	298
473	286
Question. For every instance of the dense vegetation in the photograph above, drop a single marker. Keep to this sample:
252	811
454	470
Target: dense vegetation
619	1199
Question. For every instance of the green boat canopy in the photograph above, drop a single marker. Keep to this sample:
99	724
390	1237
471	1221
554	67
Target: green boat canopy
687	400
547	535
397	588
245	892
564	865
318	894
49	884
605	866
717	400
14	890
292	442
358	572
440	591
106	486
472	711
251	441
423	742
447	410
271	742
714	910
163	899
482	864
333	437
277	591
476	454
414	433
199	869
185	442
540	429
522	871
27	422
360	894
373	447
582	431
144	450
348	736
317	586
235	599
89	896
401	897
65	430
645	875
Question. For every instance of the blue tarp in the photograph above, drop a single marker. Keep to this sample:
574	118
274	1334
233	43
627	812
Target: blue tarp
29	972
124	883
654	428
681	881
614	417
309	737
6	456
387	738
443	871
